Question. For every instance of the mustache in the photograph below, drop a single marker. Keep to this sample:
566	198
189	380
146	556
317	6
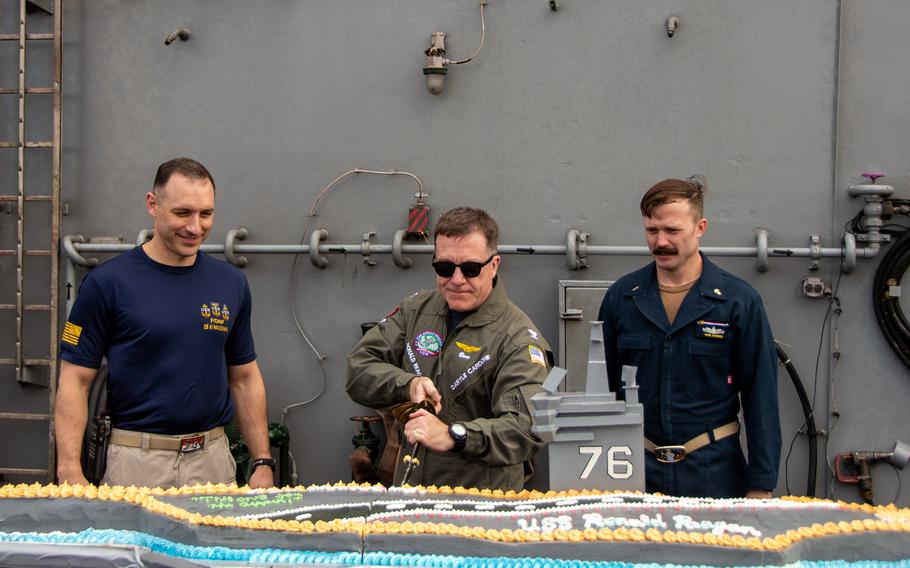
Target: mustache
665	251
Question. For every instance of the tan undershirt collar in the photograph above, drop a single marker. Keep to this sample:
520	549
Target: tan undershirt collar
673	296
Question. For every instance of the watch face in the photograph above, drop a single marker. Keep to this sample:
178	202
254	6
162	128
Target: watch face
459	430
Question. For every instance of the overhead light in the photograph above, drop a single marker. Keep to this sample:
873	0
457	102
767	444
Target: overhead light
437	66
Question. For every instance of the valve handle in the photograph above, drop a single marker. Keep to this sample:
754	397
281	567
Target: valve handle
366	419
874	175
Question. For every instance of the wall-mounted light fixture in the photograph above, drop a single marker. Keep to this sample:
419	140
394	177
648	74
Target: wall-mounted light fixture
436	67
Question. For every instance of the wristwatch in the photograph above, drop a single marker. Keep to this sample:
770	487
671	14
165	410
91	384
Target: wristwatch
262	461
459	434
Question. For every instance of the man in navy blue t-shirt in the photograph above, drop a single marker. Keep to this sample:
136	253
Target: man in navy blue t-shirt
174	325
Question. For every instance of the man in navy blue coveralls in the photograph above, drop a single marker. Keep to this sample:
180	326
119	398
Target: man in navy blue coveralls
702	344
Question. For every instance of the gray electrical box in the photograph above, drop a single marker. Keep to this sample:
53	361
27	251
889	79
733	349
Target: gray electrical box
579	304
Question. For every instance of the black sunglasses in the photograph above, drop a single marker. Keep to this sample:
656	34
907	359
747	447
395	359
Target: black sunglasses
470	269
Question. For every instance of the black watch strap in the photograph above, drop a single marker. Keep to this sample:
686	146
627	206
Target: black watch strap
459	435
263	461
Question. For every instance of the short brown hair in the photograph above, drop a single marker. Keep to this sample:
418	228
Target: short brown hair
462	221
670	190
187	167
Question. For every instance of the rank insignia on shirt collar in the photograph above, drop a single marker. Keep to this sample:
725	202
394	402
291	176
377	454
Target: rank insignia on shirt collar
534	334
717	291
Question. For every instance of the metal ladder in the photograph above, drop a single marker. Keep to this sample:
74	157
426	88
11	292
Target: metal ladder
39	372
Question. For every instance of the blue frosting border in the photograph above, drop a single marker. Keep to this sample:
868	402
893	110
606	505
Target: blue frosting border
282	556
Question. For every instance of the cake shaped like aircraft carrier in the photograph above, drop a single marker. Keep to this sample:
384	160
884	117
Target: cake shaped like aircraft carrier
595	441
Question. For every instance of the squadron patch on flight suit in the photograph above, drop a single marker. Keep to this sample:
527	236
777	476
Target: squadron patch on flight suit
428	343
712	329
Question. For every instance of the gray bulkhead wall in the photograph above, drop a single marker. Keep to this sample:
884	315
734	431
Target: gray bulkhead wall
561	122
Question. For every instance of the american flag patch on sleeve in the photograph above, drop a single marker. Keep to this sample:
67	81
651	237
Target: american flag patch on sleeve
537	355
71	333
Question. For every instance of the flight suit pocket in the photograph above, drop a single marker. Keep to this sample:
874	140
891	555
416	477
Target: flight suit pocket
472	399
708	374
633	348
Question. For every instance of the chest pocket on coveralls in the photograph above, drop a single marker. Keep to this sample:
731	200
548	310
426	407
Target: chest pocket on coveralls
633	348
708	370
471	389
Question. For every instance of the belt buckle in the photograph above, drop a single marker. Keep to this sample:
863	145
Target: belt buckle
670	454
192	443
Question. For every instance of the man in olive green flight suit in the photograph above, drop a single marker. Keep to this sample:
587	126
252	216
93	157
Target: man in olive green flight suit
467	349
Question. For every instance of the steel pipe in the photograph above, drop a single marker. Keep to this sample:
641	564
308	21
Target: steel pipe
144	236
530	249
69	271
576	248
69	247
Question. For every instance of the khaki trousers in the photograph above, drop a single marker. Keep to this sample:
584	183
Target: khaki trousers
169	468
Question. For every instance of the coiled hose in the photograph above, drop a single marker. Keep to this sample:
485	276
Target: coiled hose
888	312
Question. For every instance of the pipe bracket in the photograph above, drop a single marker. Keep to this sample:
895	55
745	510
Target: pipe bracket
576	249
849	262
232	236
815	251
365	248
761	244
144	236
317	237
74	255
398	258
